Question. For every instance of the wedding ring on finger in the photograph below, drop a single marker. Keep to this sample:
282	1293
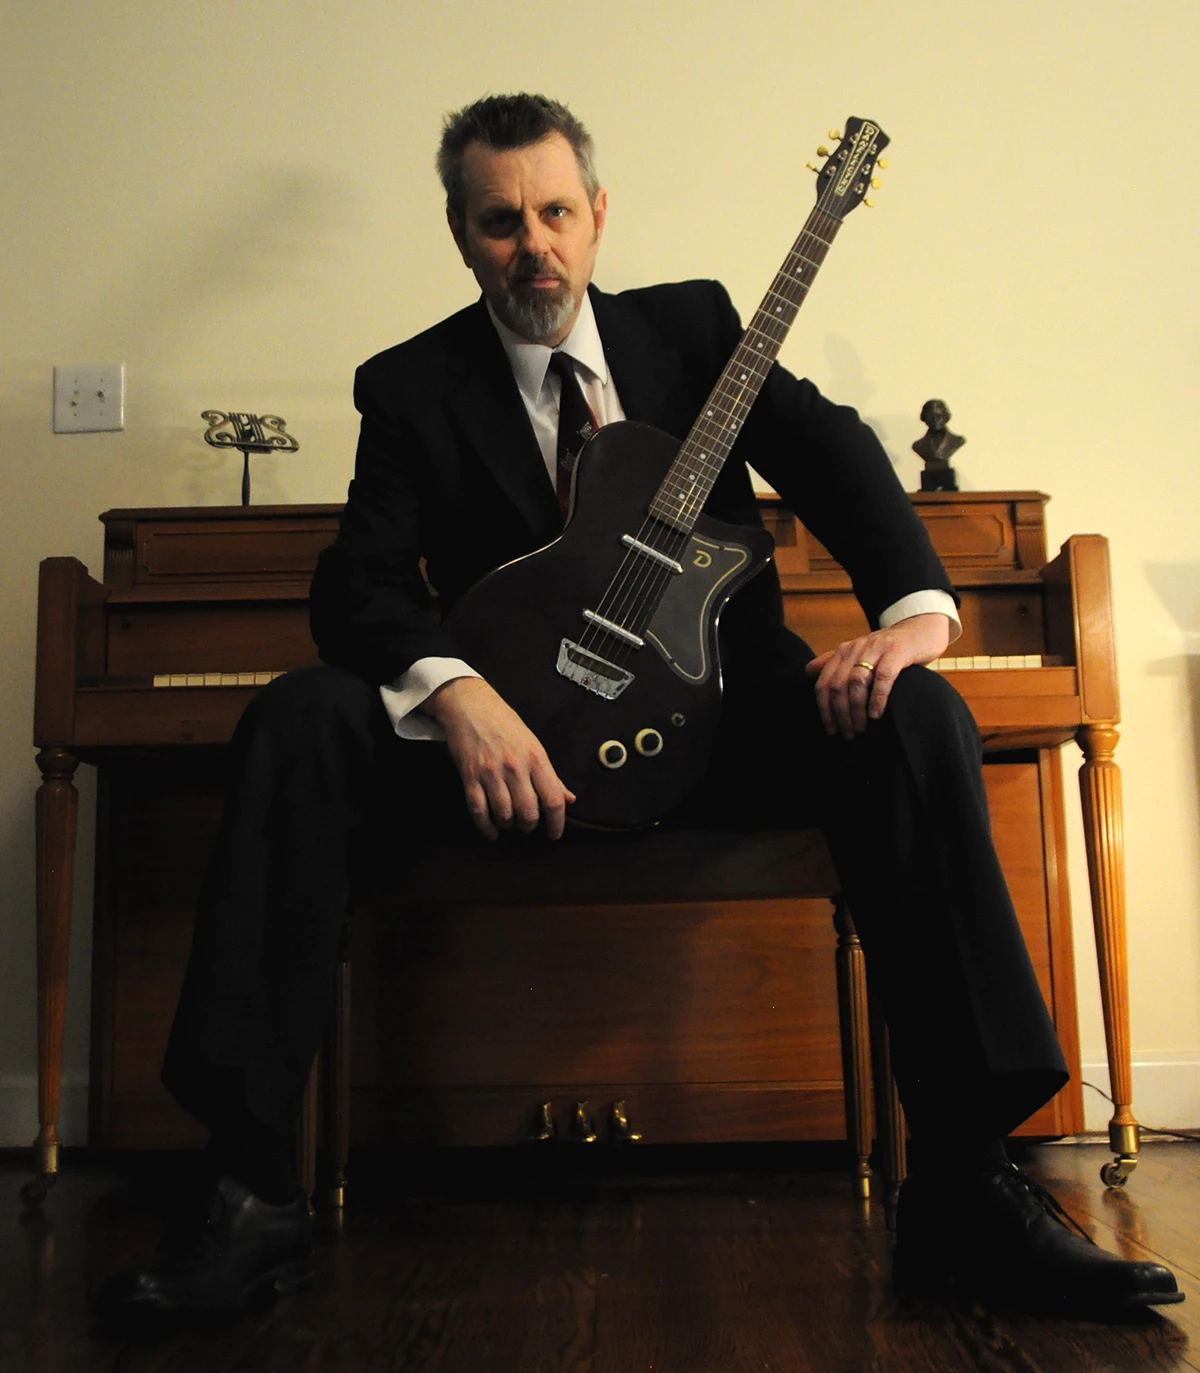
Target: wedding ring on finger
869	666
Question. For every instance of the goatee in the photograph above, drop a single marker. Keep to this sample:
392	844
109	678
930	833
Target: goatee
536	312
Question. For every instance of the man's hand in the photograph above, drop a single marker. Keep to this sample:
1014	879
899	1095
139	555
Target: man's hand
506	774
855	679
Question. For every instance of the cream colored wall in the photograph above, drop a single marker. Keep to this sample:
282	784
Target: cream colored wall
236	199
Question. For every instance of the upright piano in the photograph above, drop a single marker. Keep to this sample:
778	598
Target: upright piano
146	672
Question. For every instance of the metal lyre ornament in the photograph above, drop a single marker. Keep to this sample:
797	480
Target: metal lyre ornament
249	434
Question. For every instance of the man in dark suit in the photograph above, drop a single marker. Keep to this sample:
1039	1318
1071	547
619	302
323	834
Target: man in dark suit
459	464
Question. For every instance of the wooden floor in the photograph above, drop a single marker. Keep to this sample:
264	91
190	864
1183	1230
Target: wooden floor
700	1263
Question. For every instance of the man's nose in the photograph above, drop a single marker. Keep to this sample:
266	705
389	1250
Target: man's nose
535	237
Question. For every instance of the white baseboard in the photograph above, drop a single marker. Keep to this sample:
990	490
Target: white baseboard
19	1110
1166	1092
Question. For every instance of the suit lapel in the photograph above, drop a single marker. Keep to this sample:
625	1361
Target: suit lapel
647	372
484	403
482	400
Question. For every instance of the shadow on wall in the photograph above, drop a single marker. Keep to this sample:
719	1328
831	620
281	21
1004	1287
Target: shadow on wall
1178	587
850	384
224	255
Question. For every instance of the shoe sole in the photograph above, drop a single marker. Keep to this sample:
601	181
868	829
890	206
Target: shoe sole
912	1278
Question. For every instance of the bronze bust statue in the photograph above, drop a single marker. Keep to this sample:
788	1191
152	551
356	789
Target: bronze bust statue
937	446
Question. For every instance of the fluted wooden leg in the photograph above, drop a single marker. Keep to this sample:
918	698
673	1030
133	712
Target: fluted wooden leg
1100	791
856	1043
891	1127
57	815
337	1093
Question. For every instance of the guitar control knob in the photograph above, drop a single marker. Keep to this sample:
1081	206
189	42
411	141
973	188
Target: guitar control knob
613	753
648	742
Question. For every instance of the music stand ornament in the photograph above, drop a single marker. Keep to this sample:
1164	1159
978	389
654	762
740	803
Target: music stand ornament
249	434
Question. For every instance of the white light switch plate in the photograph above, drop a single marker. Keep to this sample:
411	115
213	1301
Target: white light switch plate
89	399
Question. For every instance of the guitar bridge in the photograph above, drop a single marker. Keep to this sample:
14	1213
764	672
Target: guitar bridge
589	670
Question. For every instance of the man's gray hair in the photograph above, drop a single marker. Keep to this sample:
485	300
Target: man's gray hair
509	121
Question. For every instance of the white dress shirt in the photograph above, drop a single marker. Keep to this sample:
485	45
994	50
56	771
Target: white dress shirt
540	390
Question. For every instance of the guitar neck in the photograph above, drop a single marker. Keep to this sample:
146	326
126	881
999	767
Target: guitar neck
843	183
694	472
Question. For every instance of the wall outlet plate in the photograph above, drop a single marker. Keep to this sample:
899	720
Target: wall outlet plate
89	399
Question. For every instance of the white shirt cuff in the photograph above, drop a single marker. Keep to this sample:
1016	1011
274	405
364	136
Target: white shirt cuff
402	697
923	603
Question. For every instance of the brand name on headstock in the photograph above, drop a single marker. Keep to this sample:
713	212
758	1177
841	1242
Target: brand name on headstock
859	154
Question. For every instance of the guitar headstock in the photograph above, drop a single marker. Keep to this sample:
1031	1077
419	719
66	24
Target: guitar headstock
849	170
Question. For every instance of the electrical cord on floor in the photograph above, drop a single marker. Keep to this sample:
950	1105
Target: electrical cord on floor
1191	1136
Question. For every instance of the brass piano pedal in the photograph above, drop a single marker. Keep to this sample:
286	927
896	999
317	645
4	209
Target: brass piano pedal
619	1129
582	1129
543	1131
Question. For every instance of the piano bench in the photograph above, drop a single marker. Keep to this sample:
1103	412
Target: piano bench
588	870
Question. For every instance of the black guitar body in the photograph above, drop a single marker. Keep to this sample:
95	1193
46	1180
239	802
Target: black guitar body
629	729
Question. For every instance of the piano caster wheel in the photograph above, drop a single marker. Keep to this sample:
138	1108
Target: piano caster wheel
37	1189
1116	1173
613	753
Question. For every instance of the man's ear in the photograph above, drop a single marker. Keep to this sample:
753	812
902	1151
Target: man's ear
458	230
600	211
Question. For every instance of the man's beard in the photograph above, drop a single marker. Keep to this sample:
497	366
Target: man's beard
536	312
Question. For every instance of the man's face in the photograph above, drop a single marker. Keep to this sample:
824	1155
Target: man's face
530	234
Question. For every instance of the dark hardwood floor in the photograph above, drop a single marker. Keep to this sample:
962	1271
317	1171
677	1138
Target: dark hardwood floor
694	1262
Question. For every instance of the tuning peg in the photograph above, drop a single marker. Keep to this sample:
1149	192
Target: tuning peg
822	151
812	167
882	164
869	203
875	183
835	133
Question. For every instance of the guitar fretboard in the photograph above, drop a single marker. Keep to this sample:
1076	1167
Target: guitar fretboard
694	472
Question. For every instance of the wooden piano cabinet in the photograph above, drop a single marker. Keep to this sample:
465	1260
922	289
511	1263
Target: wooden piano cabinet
712	1021
224	590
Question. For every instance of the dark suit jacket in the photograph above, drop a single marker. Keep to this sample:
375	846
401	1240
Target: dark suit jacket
448	470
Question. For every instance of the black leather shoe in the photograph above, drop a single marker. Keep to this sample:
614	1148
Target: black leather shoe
240	1246
1002	1238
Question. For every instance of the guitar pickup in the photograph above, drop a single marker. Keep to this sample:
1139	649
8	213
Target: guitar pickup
589	670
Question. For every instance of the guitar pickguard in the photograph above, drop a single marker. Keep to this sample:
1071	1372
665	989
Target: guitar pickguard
680	627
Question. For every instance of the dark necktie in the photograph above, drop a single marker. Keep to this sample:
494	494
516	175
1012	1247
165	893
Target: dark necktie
576	424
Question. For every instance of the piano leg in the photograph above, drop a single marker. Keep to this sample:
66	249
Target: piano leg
57	806
1100	790
856	1043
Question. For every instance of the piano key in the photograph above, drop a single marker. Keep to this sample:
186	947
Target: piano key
980	662
215	679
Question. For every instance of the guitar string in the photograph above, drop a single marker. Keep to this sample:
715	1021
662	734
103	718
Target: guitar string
765	328
639	583
636	590
643	590
634	599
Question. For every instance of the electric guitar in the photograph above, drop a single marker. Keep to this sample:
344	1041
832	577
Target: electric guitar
605	641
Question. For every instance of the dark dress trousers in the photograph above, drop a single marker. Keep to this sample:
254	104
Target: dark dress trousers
449	471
